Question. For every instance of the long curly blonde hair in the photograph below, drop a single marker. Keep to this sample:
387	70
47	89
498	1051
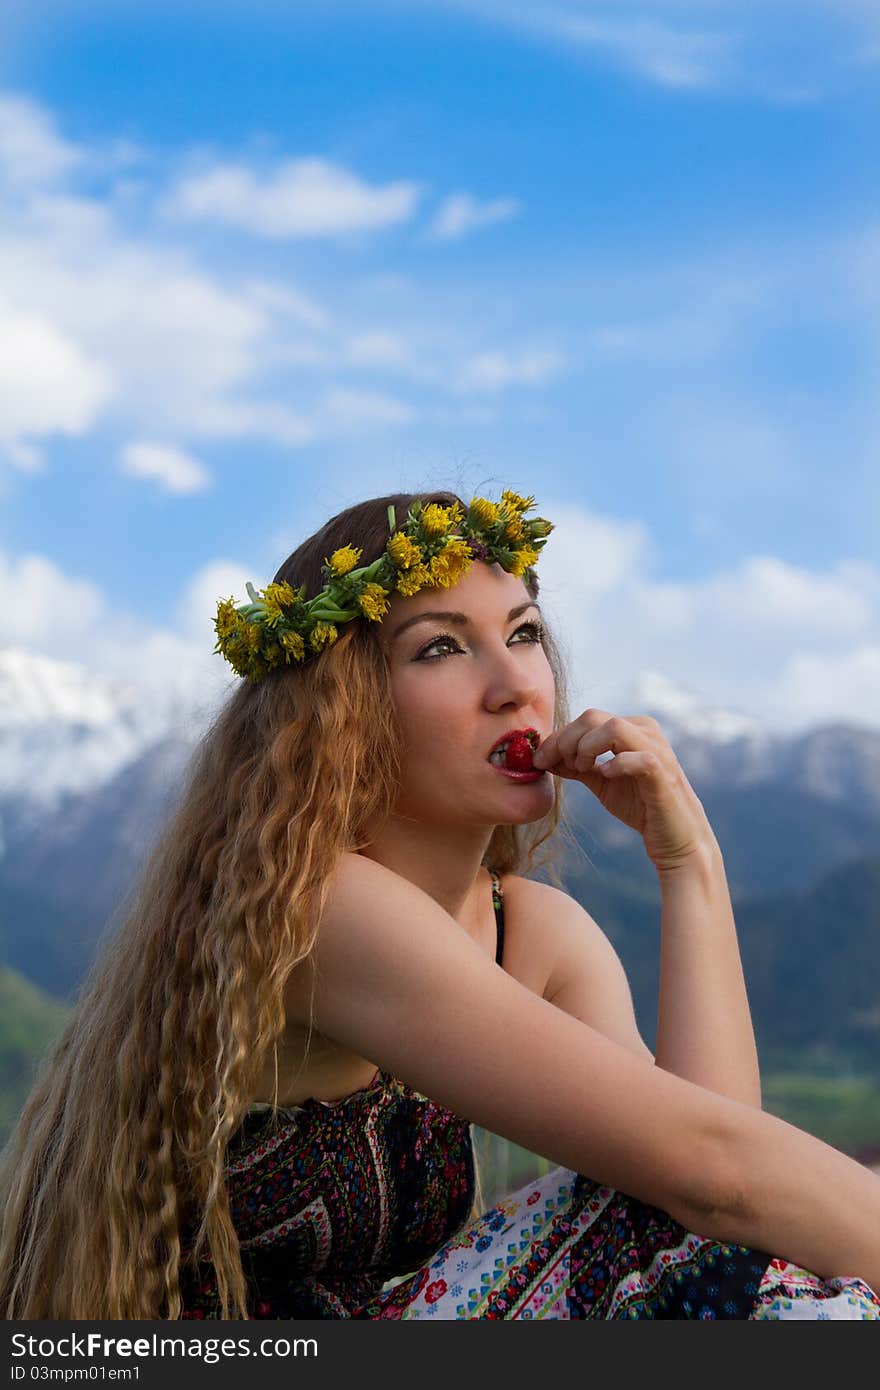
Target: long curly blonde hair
121	1144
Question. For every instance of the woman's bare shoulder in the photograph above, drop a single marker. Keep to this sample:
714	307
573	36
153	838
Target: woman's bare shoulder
533	934
529	936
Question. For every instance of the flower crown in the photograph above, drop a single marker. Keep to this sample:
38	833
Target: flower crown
433	549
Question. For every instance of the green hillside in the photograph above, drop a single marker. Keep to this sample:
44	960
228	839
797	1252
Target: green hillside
29	1022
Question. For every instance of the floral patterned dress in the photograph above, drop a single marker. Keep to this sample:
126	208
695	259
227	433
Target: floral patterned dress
359	1208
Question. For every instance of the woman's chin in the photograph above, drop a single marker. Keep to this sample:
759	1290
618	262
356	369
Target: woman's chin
527	801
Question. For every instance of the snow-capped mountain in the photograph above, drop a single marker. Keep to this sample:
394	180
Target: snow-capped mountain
832	762
66	731
671	702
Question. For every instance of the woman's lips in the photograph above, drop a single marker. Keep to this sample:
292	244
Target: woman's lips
518	752
528	736
532	776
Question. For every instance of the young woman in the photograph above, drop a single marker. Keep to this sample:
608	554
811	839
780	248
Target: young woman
334	963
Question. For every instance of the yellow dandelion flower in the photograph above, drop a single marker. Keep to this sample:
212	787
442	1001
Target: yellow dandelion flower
294	645
323	635
237	638
522	560
239	642
226	647
226	621
514	529
516	502
454	560
457	545
459	568
280	593
237	654
403	551
434	520
344	559
235	641
412	580
275	597
484	512
373	602
444	571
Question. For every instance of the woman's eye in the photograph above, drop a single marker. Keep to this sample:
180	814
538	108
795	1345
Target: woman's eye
536	630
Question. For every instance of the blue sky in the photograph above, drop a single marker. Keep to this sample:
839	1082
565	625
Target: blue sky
257	262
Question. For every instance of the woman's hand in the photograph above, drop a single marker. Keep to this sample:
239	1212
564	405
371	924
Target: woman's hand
643	785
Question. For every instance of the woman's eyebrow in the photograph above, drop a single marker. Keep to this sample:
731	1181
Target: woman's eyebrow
452	617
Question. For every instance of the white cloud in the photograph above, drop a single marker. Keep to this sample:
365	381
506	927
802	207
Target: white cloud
48	383
616	550
45	608
241	419
791	646
678	51
787	52
123	328
69	618
175	470
185	348
23	457
179	341
460	213
669	56
777	595
341	409
820	688
31	150
302	198
219	579
496	371
290	304
188	347
173	662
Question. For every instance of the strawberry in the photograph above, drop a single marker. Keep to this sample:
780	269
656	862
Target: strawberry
518	757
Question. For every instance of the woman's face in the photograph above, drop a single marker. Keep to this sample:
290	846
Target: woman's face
456	695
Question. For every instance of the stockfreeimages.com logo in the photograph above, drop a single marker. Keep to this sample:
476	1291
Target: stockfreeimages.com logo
210	1350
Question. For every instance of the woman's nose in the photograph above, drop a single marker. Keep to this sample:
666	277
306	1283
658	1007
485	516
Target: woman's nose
512	685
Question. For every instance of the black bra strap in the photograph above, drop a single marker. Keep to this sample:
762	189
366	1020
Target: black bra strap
498	903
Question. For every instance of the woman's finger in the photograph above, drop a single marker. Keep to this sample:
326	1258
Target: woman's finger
562	745
615	734
642	764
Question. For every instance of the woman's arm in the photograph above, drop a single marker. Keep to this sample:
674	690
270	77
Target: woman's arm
399	982
800	1199
704	1026
704	1031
